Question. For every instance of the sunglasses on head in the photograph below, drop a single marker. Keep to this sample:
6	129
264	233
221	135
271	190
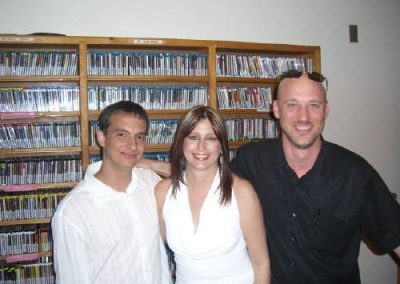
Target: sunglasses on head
315	76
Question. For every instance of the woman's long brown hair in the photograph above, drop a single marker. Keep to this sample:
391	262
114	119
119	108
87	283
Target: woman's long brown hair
178	162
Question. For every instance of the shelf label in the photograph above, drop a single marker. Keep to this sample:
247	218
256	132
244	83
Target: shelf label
22	257
17	115
13	38
148	41
19	187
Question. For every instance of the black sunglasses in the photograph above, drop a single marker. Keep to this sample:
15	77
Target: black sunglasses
315	76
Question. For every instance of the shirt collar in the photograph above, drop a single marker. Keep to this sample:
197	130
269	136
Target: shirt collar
317	167
101	193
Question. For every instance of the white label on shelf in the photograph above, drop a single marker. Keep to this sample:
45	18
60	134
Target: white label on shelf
148	41
16	115
22	257
16	39
19	187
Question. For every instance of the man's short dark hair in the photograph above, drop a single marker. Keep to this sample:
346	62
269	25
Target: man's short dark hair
127	107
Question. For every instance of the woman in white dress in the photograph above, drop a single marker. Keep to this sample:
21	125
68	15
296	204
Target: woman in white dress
210	218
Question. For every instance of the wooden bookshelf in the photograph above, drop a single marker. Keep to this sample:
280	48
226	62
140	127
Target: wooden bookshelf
93	64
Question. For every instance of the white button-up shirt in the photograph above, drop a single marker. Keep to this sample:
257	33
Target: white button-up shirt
105	236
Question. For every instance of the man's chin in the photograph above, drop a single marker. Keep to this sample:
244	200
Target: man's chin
302	144
129	164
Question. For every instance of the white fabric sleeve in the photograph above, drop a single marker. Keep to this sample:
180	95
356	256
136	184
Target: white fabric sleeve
69	253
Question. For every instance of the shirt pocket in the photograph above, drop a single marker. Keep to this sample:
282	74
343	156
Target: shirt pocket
330	236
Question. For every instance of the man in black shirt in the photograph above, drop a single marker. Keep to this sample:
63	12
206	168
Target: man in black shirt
318	198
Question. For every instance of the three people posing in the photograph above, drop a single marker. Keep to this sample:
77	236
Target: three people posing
317	198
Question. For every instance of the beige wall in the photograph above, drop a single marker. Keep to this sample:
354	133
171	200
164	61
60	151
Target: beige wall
363	78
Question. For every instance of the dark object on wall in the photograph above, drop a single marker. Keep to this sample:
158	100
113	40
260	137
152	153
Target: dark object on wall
353	32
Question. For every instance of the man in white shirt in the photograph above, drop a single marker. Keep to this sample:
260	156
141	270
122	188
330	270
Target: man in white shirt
106	229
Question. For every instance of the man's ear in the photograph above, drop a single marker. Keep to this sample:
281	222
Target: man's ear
100	138
275	108
326	110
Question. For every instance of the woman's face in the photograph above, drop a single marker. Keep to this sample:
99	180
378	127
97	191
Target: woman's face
202	147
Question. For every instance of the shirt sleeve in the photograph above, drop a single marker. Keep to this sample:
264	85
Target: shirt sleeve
69	252
239	163
381	215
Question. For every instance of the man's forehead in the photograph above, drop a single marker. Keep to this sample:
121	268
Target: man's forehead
298	86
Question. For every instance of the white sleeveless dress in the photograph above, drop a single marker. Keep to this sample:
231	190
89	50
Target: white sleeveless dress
216	253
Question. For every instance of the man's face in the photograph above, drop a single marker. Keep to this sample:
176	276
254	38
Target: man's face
302	109
124	143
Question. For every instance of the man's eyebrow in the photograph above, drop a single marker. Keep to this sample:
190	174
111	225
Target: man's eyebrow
121	130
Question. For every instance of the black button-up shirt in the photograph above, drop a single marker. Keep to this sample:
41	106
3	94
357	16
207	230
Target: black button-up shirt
314	223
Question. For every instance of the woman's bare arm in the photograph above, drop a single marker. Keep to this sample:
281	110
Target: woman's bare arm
252	225
161	191
159	167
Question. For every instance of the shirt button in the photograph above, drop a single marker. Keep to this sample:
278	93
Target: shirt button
291	239
294	215
291	263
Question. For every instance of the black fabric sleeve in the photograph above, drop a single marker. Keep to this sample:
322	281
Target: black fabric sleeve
381	217
239	163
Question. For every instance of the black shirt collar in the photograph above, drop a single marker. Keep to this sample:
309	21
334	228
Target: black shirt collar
315	171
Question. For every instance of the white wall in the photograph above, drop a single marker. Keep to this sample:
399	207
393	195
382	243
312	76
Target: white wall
363	77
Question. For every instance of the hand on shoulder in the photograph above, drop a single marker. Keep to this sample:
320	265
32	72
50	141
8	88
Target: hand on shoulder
159	167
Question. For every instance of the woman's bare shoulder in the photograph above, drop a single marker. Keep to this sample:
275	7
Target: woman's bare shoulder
162	187
242	188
